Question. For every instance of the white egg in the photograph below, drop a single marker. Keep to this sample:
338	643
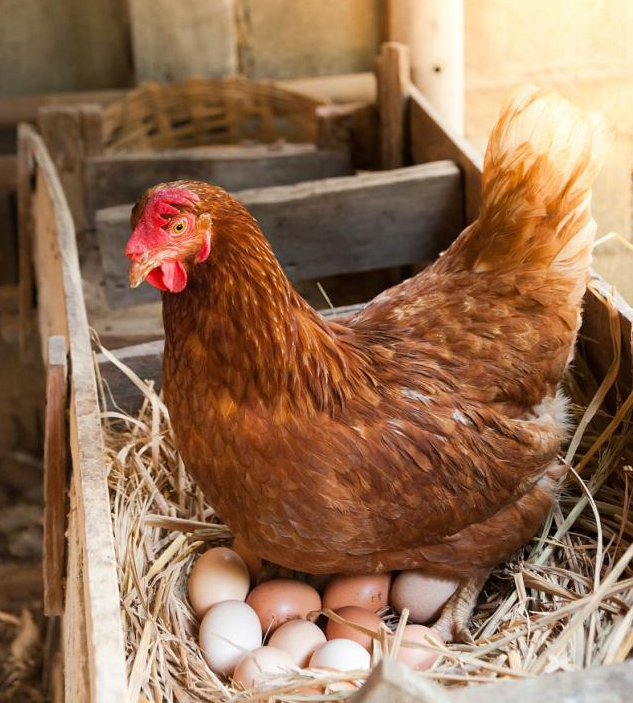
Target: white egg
341	654
227	632
219	574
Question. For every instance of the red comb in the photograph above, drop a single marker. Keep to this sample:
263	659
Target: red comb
162	202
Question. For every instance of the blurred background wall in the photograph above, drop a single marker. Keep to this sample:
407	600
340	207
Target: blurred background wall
582	48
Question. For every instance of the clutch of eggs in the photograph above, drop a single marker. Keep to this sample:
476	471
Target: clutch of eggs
235	622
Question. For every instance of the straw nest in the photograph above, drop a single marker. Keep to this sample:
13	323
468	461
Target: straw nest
563	603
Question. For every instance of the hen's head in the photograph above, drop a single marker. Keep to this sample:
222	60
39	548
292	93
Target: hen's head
171	232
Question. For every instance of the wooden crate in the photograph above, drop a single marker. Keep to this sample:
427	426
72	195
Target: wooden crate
95	667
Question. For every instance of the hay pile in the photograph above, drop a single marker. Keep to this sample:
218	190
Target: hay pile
563	603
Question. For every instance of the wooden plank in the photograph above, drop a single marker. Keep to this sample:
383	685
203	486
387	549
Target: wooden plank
172	41
431	139
393	682
392	70
121	178
104	640
326	227
604	684
146	361
51	307
72	133
76	645
55	476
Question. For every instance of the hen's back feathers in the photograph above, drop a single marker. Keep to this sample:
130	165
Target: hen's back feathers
542	158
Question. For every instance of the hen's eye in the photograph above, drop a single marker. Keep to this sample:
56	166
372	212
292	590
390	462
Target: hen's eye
179	227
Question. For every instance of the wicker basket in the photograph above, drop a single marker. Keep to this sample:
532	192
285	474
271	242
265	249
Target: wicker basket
201	111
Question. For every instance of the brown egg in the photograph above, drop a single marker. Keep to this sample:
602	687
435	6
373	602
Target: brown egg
369	592
280	600
423	594
218	575
360	616
416	657
300	638
256	666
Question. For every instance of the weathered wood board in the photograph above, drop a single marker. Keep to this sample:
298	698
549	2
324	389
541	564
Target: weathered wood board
93	637
431	139
121	178
55	442
326	227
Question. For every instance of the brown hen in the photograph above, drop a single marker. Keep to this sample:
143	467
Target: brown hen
424	431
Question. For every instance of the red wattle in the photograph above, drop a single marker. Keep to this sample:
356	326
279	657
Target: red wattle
170	276
174	276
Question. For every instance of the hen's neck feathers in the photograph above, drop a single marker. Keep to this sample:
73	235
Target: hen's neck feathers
251	331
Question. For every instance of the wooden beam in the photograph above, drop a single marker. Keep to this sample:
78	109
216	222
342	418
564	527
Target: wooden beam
55	476
434	32
392	71
432	139
120	178
326	227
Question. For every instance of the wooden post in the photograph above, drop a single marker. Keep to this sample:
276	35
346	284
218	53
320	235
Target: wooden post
55	476
392	72
72	133
434	32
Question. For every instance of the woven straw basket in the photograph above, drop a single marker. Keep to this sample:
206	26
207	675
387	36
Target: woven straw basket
201	111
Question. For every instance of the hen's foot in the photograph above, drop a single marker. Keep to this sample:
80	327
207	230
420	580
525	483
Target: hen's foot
452	625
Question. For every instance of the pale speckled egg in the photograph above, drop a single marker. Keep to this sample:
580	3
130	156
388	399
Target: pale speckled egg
423	594
342	655
415	657
256	666
219	574
300	638
279	600
359	616
369	592
227	631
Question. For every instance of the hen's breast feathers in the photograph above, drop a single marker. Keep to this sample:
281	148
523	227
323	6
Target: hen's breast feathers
431	416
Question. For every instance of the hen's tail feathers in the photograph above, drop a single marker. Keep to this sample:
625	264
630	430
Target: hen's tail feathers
542	158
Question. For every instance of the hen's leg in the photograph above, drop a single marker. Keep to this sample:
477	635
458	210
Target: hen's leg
452	624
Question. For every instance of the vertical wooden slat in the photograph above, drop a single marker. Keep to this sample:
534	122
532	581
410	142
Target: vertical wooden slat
392	72
55	476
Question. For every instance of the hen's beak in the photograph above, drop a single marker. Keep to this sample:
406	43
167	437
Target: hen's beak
138	270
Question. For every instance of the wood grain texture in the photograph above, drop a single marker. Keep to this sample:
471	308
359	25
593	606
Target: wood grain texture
432	139
326	227
397	683
96	581
55	476
392	71
122	178
72	133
